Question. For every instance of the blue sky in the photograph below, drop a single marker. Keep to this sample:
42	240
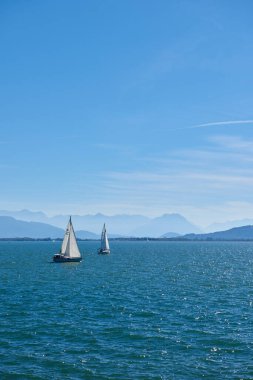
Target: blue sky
131	106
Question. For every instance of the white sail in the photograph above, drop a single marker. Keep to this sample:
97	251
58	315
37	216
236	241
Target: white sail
104	240
65	239
69	245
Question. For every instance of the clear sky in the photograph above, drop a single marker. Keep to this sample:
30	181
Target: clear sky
133	106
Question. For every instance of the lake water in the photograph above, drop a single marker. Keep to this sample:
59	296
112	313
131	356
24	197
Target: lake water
150	310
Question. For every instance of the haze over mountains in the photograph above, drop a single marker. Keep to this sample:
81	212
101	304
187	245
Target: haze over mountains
167	223
117	224
13	228
26	223
125	225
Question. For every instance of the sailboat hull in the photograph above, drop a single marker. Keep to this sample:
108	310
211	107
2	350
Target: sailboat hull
103	251
63	259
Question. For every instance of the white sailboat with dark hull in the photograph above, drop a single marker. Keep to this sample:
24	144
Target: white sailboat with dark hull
69	250
104	248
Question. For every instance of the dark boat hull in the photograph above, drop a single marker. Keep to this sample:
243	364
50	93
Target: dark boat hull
103	251
62	259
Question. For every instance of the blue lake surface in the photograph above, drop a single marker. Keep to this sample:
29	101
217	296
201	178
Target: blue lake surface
150	310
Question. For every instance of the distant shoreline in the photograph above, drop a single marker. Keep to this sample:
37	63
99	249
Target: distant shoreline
129	239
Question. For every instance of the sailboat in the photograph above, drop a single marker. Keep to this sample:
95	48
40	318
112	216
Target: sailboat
104	248
69	250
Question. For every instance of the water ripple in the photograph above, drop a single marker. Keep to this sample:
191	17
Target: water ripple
150	310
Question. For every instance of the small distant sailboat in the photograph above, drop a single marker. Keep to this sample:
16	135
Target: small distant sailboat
69	250
104	249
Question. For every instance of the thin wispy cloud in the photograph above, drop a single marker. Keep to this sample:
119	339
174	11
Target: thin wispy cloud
233	142
216	174
224	151
165	181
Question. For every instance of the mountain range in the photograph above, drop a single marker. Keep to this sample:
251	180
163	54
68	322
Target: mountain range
124	225
13	228
36	224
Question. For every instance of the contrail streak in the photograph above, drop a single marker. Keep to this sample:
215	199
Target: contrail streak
230	122
216	123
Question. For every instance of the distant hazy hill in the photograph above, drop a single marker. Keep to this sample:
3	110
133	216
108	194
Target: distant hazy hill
13	228
228	225
170	235
167	222
237	233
